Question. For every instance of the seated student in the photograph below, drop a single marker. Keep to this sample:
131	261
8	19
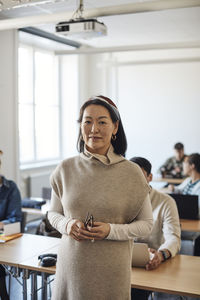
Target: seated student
191	185
191	168
173	167
10	212
164	240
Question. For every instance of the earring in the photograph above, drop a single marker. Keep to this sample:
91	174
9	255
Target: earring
114	137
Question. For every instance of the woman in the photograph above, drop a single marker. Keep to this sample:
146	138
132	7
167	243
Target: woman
100	203
10	212
191	168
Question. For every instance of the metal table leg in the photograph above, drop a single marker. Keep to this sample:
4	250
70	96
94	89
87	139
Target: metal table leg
44	286
25	276
33	286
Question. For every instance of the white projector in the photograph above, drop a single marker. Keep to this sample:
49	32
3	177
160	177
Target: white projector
81	28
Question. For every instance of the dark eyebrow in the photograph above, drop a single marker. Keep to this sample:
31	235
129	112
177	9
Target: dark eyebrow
101	117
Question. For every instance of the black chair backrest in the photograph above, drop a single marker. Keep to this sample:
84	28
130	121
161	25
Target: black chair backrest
46	193
23	221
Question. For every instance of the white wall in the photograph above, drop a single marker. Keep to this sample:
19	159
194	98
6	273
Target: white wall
69	103
158	97
160	106
100	76
8	104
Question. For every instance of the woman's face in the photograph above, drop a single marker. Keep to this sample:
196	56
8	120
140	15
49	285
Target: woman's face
187	168
97	129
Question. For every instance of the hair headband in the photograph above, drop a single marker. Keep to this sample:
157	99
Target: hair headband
112	105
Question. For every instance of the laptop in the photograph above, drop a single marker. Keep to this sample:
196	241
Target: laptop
140	255
188	206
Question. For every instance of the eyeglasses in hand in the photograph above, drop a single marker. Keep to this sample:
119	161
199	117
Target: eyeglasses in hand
89	220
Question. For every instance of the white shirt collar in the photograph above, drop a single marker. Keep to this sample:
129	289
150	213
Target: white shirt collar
110	158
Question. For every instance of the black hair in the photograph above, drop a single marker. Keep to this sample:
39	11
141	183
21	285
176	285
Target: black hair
179	146
143	163
120	143
1	153
194	158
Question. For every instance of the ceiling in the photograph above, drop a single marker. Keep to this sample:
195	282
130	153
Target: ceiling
145	23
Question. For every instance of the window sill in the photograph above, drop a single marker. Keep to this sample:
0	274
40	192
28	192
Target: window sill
38	165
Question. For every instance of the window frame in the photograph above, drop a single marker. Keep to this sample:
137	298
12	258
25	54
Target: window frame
35	163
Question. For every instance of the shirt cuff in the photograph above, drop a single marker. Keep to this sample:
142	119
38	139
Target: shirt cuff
69	225
112	234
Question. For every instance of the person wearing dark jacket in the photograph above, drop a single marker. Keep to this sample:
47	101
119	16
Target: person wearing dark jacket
10	212
173	166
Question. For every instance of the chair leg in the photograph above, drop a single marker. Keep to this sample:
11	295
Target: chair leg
9	283
152	295
49	297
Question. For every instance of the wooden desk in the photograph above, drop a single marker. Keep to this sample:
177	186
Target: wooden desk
190	225
169	180
33	264
14	252
179	275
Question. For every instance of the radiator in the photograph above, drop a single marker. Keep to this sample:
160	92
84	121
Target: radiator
36	182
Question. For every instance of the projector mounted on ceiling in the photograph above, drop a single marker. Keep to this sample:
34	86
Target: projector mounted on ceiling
81	28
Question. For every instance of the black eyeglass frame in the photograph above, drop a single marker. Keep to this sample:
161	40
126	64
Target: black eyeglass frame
89	220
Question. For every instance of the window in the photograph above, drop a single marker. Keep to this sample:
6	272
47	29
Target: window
39	106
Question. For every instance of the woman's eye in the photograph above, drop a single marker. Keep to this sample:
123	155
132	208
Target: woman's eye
102	122
87	122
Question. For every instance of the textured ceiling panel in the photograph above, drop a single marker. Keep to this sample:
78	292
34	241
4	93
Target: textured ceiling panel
12	4
152	26
27	8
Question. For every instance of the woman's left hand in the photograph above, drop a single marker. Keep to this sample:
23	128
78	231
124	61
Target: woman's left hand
99	231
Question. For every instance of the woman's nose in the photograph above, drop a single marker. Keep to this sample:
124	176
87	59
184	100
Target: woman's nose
94	127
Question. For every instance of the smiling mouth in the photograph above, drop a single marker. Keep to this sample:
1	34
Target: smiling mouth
94	138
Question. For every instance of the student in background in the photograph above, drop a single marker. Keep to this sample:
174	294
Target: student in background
173	167
164	240
10	212
191	168
190	186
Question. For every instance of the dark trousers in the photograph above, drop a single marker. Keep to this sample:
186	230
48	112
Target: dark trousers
3	291
2	271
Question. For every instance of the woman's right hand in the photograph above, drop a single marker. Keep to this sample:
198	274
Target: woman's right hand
76	229
73	227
